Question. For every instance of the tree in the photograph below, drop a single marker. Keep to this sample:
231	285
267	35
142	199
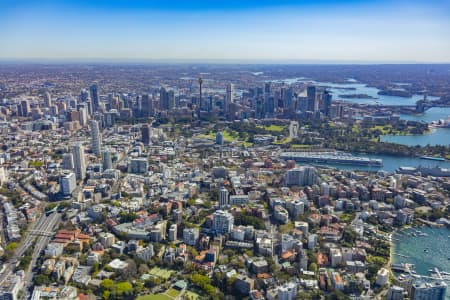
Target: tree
106	284
41	279
11	246
143	269
106	295
130	271
123	288
313	267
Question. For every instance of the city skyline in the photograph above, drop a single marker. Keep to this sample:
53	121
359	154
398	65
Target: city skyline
246	31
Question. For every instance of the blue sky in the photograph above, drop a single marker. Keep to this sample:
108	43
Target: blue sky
257	30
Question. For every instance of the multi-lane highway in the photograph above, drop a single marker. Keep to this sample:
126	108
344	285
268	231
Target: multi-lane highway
46	224
51	223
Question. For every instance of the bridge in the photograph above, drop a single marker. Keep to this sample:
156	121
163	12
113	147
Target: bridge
41	232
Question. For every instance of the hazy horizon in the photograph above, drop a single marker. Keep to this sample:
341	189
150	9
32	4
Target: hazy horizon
265	31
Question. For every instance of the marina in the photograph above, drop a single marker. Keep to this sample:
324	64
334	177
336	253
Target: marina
422	253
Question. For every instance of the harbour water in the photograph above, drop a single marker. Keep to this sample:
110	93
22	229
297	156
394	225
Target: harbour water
438	136
427	250
433	114
355	88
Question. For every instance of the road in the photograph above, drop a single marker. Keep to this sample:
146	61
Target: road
2	224
44	223
50	225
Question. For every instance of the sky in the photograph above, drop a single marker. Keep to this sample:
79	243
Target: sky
348	31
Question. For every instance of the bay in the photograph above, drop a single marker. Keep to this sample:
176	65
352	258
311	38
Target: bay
425	252
438	136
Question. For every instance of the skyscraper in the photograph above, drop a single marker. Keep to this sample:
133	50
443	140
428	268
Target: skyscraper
145	134
166	99
200	101
223	197
83	113
311	95
229	97
147	109
96	138
24	108
94	97
79	160
327	98
47	99
67	161
106	159
267	88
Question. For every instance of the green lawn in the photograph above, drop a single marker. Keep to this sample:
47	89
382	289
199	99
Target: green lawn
191	295
283	141
230	136
300	146
273	128
154	297
161	273
172	293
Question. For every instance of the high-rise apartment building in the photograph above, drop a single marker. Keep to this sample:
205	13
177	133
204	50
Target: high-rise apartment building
79	161
222	222
96	138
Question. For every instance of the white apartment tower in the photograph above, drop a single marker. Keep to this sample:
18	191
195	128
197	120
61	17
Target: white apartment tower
96	138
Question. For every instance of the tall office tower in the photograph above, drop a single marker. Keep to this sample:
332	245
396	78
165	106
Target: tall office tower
288	96
327	99
200	101
269	106
67	161
79	160
24	108
145	134
72	102
229	97
106	160
96	138
260	107
222	222
53	110
163	99
147	106
219	138
62	107
83	114
84	95
113	101
166	99
223	197
311	95
94	97
267	88
47	99
317	102
171	99
138	106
